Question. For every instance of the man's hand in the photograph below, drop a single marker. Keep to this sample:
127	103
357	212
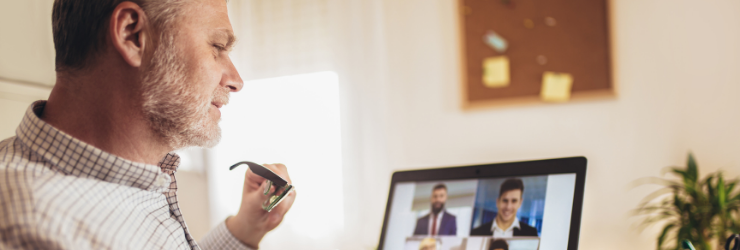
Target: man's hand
252	222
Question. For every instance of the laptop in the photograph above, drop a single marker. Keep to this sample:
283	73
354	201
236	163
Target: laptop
530	205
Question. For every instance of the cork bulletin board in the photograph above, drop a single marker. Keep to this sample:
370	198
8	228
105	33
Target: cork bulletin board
540	36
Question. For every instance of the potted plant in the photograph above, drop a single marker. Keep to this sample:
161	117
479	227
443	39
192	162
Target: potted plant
704	211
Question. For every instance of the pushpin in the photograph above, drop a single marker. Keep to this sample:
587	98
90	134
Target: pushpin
509	3
467	10
541	59
495	41
528	23
549	21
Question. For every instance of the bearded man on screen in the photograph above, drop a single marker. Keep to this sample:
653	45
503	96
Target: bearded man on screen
438	221
92	168
506	224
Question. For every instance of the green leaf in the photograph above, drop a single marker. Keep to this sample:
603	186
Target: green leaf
664	233
736	197
710	188
656	194
721	193
731	185
692	171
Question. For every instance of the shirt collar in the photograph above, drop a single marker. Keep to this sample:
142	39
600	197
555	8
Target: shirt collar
513	225
439	214
74	157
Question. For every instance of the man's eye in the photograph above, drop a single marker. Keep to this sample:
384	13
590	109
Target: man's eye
219	47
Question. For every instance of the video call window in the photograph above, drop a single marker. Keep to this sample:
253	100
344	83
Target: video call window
482	214
509	207
443	208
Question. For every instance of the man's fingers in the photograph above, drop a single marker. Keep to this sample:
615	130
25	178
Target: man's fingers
285	205
255	182
252	180
281	170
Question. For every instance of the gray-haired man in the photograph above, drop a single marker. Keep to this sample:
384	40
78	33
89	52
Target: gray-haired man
90	168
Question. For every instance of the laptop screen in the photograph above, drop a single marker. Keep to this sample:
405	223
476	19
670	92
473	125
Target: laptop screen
526	212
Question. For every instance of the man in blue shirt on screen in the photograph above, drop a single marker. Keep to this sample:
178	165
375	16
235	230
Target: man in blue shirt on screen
506	224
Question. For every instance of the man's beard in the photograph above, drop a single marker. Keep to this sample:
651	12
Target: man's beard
176	112
436	210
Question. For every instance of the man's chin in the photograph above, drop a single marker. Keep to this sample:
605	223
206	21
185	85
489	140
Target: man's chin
213	139
507	217
199	137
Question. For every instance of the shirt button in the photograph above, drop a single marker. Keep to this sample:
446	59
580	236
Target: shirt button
162	180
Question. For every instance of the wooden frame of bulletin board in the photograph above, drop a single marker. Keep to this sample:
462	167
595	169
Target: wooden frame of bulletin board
525	39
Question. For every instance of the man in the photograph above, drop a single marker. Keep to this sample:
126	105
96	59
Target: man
498	244
90	168
506	224
428	244
438	221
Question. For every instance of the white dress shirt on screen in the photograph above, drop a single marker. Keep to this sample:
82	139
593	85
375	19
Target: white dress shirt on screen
504	233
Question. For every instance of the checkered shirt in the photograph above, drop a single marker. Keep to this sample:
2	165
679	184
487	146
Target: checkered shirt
57	192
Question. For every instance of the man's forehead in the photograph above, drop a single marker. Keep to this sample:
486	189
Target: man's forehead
513	192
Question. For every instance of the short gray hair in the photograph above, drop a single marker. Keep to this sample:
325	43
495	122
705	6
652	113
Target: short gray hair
79	27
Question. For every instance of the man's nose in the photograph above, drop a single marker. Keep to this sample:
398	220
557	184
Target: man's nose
231	77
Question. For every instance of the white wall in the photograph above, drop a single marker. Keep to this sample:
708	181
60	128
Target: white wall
677	63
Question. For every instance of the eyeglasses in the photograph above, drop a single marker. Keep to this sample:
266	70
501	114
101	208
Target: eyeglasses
736	239
282	188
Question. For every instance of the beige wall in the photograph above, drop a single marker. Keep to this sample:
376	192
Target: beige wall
192	194
26	59
14	100
26	45
678	67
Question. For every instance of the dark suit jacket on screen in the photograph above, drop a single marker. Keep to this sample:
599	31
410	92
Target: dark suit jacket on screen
523	230
448	226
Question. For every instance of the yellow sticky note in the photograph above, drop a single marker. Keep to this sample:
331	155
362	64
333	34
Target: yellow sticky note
496	71
556	87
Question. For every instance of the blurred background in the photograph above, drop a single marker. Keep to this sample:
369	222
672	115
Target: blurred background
347	91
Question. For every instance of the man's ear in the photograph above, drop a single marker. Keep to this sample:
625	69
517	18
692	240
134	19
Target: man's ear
127	28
